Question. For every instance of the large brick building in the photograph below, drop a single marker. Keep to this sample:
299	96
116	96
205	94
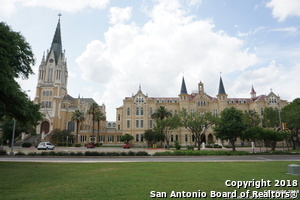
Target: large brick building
134	116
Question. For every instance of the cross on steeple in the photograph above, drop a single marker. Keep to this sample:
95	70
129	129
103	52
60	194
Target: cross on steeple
59	15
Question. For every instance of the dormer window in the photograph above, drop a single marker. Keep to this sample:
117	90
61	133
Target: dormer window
272	99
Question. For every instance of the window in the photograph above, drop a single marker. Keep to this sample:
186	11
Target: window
137	111
71	126
128	111
110	138
215	113
128	124
119	127
119	117
83	138
46	104
142	123
119	138
176	137
150	111
137	123
172	138
142	111
137	137
186	137
150	124
142	137
102	138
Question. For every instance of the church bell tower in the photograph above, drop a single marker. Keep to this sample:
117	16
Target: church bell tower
52	81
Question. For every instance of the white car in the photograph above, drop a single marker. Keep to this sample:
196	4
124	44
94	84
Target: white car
45	146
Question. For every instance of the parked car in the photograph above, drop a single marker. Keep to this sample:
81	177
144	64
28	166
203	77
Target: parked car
45	146
126	146
90	145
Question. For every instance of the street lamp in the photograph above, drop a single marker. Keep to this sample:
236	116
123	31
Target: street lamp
12	139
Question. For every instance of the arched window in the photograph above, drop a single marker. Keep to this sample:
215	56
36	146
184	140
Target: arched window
137	111
71	126
128	111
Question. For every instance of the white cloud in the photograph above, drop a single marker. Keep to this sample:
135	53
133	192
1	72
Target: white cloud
286	29
156	54
119	15
282	9
274	76
8	7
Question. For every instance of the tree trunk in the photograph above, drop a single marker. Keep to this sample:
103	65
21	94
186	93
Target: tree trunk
77	131
199	145
273	145
98	132
232	144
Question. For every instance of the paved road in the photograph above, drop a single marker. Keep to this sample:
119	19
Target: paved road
153	159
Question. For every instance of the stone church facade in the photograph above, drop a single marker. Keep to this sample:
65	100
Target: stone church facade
134	116
58	106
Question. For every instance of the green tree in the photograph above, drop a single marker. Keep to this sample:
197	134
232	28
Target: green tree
99	116
127	138
153	136
291	118
7	128
167	126
231	125
78	117
161	113
92	111
16	59
271	117
197	123
255	134
252	118
60	136
273	136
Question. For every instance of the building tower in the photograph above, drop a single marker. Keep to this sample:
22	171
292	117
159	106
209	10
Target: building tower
52	83
222	96
183	96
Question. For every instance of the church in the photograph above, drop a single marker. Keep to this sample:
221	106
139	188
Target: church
58	106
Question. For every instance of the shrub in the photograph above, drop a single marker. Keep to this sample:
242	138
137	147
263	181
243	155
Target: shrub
91	153
32	154
77	145
131	153
20	154
26	144
3	152
188	147
64	144
142	153
177	145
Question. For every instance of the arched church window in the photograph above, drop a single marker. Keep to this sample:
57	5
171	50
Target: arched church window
71	126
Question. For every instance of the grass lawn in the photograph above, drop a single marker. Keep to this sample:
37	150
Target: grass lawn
132	180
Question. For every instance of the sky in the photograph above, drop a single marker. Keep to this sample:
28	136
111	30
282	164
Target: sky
115	46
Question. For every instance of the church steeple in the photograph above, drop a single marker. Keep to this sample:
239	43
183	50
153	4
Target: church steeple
183	87
253	93
56	45
221	87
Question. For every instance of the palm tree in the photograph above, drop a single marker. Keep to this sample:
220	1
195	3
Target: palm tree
77	116
99	116
161	113
92	111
